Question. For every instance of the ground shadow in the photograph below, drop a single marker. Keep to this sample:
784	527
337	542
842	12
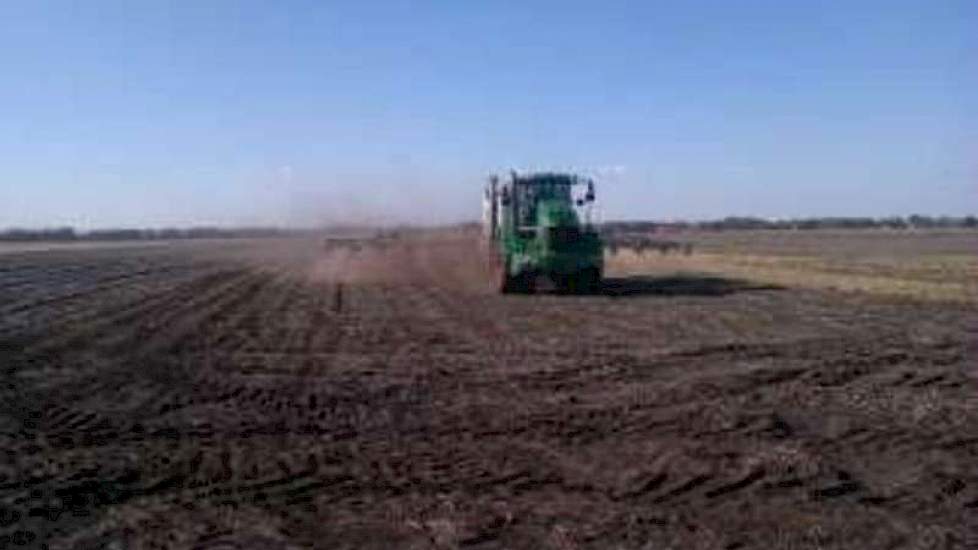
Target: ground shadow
678	285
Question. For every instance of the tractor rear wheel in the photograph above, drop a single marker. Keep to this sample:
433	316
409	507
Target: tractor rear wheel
587	281
525	282
503	282
521	283
565	284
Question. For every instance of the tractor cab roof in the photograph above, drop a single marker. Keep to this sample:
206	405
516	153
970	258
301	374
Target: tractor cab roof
546	178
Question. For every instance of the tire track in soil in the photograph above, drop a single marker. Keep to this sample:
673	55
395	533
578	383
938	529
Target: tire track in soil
109	283
189	331
111	320
173	340
135	336
93	427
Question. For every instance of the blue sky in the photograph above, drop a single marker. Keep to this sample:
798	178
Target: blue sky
300	113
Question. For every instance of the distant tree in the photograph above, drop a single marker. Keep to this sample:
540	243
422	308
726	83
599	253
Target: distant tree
920	221
115	235
52	234
894	222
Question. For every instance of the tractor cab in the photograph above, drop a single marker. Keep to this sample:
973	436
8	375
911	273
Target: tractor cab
548	200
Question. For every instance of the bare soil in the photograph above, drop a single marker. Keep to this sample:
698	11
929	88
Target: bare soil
286	394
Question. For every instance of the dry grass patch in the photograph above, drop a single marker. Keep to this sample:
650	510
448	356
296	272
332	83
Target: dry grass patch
939	278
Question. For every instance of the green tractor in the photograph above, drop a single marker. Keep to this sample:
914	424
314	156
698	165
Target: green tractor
539	226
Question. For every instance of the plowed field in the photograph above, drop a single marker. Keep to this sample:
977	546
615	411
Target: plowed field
286	394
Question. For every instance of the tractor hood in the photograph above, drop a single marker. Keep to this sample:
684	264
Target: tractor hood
556	213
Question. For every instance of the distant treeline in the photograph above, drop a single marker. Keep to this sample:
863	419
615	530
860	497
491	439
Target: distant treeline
67	234
733	223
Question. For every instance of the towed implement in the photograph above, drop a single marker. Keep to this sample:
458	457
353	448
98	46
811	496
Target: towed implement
539	226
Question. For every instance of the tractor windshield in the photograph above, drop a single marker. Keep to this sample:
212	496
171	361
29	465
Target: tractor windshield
530	194
560	191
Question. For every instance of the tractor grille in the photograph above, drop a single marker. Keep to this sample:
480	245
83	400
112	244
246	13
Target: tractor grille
562	238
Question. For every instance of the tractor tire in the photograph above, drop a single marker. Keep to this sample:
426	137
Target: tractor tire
587	281
521	283
565	284
526	282
508	285
503	282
